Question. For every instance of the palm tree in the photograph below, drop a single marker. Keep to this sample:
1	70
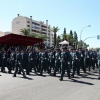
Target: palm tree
33	35
43	37
58	39
55	30
25	31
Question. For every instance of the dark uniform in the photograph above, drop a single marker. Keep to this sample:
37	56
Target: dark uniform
12	61
94	60
18	63
37	62
64	63
31	61
76	64
4	61
44	62
87	60
24	61
57	61
82	56
0	58
52	59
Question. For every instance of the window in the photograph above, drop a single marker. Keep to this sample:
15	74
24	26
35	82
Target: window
35	23
28	21
35	27
28	25
17	22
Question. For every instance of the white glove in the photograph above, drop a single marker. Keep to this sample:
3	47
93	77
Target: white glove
68	63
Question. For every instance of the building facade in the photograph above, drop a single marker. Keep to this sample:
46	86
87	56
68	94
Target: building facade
1	33
38	27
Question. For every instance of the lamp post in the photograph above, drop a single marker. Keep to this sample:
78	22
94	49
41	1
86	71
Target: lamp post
88	38
81	34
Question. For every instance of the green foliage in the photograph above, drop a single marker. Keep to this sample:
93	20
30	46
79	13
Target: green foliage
58	39
25	31
83	44
43	37
33	35
64	36
64	31
54	30
70	39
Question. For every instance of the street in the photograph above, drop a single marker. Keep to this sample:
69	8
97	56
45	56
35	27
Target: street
84	87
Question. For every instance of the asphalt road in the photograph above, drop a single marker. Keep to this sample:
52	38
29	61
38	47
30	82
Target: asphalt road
84	87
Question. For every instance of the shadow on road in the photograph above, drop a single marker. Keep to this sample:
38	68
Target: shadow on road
91	74
82	82
26	78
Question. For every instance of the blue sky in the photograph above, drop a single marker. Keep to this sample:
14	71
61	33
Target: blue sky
71	14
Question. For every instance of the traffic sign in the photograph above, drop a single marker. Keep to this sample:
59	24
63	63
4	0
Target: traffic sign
98	37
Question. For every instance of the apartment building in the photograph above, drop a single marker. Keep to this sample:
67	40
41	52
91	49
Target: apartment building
38	27
1	33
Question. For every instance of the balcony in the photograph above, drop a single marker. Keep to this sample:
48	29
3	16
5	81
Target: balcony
34	23
43	33
43	26
36	31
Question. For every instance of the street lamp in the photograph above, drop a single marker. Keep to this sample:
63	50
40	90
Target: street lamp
88	38
81	33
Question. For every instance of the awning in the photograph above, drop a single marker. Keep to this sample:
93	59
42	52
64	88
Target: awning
14	39
64	42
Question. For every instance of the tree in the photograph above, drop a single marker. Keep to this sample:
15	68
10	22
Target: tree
25	31
64	35
43	37
64	31
33	35
55	30
84	44
72	39
58	39
75	39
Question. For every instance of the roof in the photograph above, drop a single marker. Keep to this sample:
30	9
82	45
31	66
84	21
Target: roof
14	39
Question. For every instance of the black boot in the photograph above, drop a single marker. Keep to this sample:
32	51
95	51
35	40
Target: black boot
14	75
61	79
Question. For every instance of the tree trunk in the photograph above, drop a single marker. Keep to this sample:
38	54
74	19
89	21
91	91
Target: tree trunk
54	40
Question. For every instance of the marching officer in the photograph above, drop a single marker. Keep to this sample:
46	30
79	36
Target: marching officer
12	60
18	63
40	58
0	57
57	61
76	63
94	57
37	61
44	62
31	62
4	60
81	53
52	59
87	60
64	63
24	61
